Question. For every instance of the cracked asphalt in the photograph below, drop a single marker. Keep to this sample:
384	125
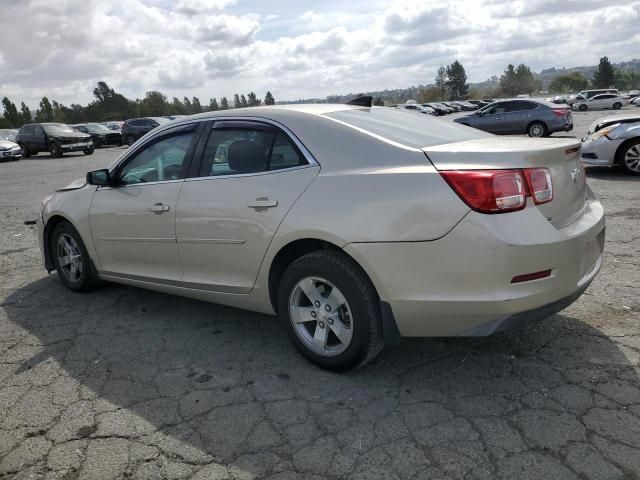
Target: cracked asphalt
126	383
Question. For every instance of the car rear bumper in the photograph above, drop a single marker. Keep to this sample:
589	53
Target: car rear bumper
461	284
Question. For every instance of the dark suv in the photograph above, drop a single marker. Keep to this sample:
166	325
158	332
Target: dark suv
100	135
135	128
55	138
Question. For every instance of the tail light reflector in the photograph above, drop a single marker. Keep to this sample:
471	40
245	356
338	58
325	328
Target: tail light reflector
500	191
560	112
489	191
531	276
539	183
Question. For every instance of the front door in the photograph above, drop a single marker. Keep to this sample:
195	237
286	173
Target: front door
249	177
133	222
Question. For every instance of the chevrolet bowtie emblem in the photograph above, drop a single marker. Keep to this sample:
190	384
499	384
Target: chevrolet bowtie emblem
574	174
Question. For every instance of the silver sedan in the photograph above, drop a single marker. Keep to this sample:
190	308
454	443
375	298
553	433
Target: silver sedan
613	140
356	225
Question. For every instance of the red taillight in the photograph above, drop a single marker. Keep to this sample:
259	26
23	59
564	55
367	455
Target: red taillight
560	112
489	191
500	191
531	276
539	183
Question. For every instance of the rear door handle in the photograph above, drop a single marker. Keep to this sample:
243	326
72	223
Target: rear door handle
262	203
159	208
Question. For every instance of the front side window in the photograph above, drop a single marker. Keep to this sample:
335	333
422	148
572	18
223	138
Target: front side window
161	161
237	151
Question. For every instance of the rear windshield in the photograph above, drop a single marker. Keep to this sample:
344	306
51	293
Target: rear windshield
412	129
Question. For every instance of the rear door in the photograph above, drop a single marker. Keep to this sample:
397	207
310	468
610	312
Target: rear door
39	139
519	115
249	176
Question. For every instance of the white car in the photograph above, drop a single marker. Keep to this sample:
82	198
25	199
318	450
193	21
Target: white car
418	108
604	101
613	140
9	150
356	225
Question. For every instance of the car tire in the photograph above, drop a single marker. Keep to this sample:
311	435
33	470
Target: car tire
617	106
97	143
628	156
55	150
537	130
66	244
129	140
25	151
583	108
89	151
346	305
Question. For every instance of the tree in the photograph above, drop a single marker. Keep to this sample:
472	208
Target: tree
456	80
570	82
195	105
154	104
508	81
429	94
441	82
224	103
45	112
604	76
525	81
177	107
253	100
626	80
11	114
25	116
188	107
58	112
269	100
243	101
213	105
379	102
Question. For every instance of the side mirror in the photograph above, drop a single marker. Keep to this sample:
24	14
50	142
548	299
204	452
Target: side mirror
99	177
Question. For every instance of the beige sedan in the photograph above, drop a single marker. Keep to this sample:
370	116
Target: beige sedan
356	225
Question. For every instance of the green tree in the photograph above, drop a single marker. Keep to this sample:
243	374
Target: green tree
253	100
604	75
45	112
525	81
457	80
154	104
58	112
213	105
570	82
429	94
269	100
379	102
177	107
243	101
11	114
441	82
108	104
188	107
195	105
236	101
508	81
25	115
224	103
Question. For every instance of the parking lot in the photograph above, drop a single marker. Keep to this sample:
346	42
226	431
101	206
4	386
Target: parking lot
129	383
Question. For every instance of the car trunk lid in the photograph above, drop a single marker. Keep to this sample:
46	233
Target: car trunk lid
560	156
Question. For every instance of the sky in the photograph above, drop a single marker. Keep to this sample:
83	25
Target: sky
295	49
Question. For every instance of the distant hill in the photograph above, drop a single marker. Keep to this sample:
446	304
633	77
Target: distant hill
401	95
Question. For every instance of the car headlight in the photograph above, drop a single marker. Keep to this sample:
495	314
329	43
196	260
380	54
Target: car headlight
604	132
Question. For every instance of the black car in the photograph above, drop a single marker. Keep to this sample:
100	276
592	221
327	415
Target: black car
439	109
100	134
135	128
55	138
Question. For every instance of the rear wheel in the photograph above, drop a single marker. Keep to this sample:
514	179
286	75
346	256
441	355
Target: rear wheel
330	311
55	150
130	140
628	157
71	259
89	151
537	129
617	106
25	151
582	108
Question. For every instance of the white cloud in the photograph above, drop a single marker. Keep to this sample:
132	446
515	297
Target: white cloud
295	49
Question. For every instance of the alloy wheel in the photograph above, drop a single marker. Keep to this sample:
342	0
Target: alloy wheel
536	130
69	258
321	316
632	158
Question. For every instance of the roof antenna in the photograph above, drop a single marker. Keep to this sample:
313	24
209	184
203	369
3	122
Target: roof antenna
361	101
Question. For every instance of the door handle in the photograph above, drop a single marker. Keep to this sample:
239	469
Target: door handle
159	208
262	203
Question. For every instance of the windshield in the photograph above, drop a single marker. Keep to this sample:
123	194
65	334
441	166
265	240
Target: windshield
97	128
58	128
8	134
406	128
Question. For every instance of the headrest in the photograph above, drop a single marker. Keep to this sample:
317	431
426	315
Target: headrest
247	157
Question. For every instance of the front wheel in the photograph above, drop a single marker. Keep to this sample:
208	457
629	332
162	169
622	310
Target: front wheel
25	151
537	129
130	140
617	106
89	151
71	259
331	311
55	150
629	157
582	108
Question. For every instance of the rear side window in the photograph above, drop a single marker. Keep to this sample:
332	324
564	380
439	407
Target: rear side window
519	106
406	128
135	123
237	151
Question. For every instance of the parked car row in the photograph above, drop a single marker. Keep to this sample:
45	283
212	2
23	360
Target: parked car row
55	138
444	108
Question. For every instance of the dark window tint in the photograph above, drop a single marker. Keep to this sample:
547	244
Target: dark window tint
497	108
135	123
520	106
284	154
27	130
161	161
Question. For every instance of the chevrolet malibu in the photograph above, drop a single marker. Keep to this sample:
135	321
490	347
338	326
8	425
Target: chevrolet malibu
355	225
613	140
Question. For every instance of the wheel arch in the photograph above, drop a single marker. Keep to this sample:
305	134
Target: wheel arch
52	222
621	148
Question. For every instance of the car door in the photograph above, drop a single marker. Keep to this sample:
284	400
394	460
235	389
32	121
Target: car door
249	176
519	114
492	119
133	221
38	139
